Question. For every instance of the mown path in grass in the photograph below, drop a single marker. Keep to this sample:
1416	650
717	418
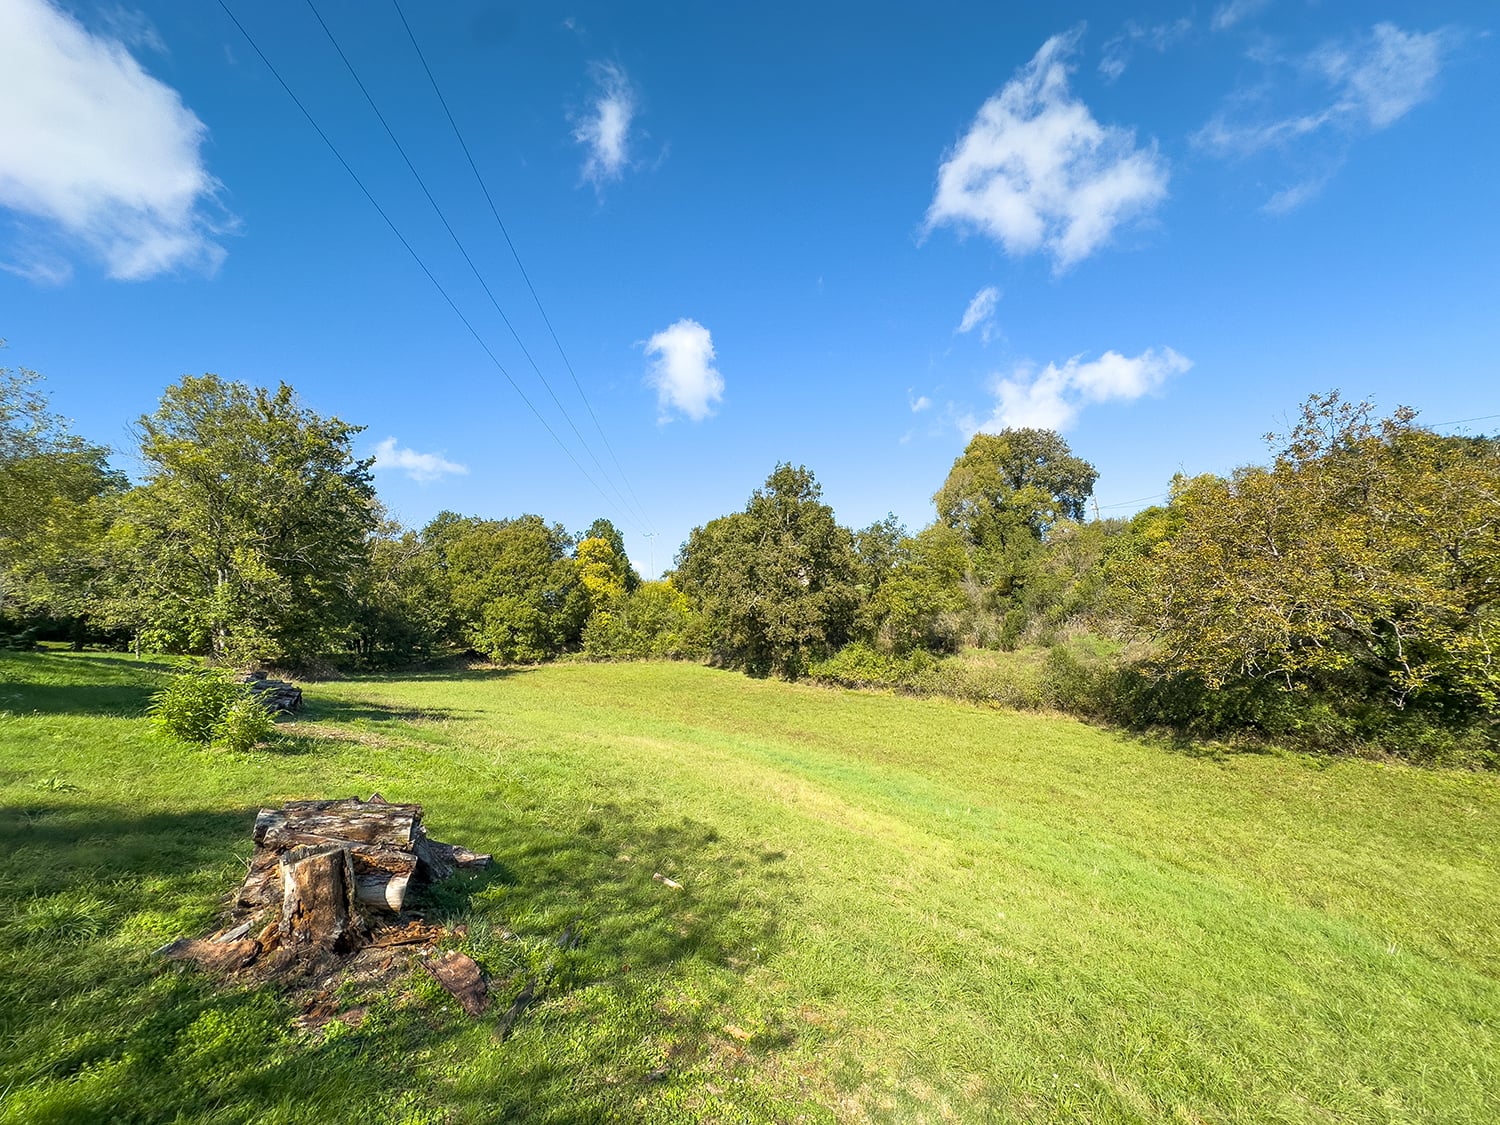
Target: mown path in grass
891	909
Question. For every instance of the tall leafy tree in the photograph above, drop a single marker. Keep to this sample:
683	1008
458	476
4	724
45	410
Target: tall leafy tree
56	493
249	530
515	587
777	582
1365	559
1016	482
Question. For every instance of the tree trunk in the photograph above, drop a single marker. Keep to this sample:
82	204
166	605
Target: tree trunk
318	908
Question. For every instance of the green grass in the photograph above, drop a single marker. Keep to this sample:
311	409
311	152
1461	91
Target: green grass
920	910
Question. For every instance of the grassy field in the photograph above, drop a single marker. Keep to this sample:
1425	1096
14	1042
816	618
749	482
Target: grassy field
891	910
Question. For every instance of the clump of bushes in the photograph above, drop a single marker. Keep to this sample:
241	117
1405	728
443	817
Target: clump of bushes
210	707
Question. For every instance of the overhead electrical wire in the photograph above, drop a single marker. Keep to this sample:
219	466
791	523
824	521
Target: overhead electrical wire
514	253
412	251
478	276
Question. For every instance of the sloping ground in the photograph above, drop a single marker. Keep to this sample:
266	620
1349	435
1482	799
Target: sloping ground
890	910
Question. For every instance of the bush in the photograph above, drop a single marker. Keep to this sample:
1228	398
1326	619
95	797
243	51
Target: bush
210	706
244	725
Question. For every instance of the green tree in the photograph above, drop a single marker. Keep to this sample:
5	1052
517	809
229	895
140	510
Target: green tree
654	620
1365	560
778	582
604	529
403	610
514	586
56	504
247	535
923	602
1016	482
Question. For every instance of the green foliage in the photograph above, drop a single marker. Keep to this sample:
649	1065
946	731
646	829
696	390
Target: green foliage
777	583
56	503
243	726
193	706
246	538
404	610
922	601
515	589
1363	564
605	529
1018	482
656	620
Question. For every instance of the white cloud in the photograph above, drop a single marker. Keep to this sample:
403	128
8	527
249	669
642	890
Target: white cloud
605	130
422	467
1036	171
1383	77
1051	398
919	404
105	155
1361	86
1116	53
981	313
1227	15
683	371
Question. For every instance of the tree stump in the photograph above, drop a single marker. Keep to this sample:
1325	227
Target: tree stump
318	906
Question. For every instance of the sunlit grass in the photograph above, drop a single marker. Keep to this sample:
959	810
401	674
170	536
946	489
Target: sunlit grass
891	909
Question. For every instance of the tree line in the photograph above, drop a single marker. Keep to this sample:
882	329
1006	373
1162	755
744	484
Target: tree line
1343	594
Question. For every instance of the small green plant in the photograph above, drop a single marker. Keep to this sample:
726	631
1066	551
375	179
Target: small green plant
211	707
244	725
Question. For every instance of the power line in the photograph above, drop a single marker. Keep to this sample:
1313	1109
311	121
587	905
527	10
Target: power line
1128	503
457	242
1461	421
410	250
514	253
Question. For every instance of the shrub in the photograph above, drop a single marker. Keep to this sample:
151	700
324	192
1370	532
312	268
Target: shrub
210	706
244	725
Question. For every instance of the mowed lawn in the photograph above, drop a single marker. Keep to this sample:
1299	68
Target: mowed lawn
890	910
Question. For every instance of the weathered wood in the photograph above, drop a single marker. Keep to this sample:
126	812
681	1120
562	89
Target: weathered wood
352	821
460	976
318	907
439	860
382	876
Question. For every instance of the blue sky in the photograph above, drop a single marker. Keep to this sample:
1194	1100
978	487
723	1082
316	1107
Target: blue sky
841	235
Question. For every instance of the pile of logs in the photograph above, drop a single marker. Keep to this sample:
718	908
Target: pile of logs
327	879
276	696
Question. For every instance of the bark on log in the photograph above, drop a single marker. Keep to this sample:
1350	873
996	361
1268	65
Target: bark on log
318	908
352	821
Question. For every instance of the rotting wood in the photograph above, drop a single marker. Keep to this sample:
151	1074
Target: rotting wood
459	974
324	900
318	908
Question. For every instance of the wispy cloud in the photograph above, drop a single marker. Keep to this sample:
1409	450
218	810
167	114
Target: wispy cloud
1051	398
605	130
981	313
1117	51
919	403
422	467
1343	90
106	156
682	371
1037	172
1227	15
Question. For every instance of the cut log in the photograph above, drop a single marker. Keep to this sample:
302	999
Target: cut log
352	821
318	908
382	875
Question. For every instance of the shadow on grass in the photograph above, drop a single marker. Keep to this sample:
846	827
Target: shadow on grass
94	1029
54	684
